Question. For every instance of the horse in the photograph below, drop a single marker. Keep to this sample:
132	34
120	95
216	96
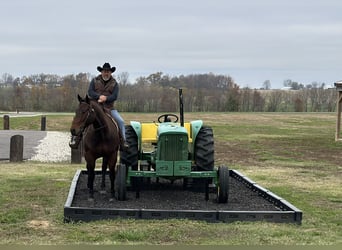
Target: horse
100	137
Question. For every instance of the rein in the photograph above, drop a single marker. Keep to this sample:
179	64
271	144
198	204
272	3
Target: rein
99	128
91	110
99	121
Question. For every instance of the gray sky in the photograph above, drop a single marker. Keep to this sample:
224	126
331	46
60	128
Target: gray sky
250	40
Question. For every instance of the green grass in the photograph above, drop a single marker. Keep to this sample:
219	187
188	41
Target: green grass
54	122
29	123
294	155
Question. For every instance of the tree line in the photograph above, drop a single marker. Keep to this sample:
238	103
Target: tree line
158	92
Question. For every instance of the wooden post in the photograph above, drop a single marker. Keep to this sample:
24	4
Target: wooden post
338	110
6	122
43	123
77	154
16	148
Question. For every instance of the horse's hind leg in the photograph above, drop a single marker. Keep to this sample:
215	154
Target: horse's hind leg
104	169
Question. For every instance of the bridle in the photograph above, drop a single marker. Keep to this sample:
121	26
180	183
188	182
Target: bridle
85	122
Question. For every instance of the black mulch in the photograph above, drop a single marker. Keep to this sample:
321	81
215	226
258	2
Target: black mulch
167	196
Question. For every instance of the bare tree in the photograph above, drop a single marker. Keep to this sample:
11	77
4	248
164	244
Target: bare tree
274	100
266	85
123	78
7	79
245	99
258	102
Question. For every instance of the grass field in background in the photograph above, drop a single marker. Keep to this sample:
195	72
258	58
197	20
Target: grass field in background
292	154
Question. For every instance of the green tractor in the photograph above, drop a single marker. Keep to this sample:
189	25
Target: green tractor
177	150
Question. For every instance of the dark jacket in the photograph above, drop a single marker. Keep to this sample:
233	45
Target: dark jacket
108	88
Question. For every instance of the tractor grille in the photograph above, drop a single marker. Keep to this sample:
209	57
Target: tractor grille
172	147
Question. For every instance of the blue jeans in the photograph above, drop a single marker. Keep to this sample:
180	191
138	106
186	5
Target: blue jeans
117	117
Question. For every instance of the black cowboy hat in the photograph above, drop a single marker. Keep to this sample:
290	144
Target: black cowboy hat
106	66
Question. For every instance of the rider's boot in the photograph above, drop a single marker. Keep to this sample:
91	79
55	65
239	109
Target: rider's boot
123	144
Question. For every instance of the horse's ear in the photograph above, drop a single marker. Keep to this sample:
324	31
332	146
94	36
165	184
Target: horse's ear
87	99
79	98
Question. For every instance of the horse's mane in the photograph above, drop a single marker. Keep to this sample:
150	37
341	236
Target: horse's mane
102	111
99	108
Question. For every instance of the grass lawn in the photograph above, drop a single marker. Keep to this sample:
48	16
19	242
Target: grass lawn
292	154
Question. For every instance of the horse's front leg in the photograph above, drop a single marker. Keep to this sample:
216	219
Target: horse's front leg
112	179
91	177
112	165
104	169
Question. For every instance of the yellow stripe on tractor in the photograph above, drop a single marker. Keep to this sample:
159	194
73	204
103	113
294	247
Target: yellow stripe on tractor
149	132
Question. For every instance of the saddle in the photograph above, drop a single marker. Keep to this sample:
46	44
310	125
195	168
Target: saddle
108	113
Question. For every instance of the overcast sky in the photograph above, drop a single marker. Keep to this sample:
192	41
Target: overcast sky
249	40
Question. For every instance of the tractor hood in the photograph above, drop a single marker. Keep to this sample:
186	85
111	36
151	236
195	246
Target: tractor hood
171	128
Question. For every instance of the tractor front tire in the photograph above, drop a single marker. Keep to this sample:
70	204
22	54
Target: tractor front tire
120	182
223	185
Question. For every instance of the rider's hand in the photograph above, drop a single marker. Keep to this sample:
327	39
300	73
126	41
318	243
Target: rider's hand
102	98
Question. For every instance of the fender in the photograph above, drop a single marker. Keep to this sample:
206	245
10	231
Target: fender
195	128
137	129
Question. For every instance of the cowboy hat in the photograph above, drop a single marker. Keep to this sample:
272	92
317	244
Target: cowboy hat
106	66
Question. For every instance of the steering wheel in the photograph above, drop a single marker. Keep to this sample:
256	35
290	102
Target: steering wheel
166	118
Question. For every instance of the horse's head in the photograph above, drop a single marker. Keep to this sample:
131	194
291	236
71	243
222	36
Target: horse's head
85	116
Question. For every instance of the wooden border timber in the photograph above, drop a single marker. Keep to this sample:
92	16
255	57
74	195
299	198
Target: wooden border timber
338	86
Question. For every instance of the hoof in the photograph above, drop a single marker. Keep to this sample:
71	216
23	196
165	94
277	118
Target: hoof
91	196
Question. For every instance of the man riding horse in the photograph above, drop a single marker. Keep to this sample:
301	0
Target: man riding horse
105	89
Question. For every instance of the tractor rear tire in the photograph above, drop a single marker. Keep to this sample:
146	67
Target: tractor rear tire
223	185
120	182
204	149
130	156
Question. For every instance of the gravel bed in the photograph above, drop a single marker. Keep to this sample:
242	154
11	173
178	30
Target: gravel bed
54	147
169	196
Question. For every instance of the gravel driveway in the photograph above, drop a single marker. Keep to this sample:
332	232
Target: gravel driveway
44	146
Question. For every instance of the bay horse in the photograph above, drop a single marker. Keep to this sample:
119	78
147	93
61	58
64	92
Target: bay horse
100	138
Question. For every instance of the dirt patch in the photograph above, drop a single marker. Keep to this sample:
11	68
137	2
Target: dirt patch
233	153
39	224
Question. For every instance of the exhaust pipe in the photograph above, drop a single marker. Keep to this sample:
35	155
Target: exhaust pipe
181	109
